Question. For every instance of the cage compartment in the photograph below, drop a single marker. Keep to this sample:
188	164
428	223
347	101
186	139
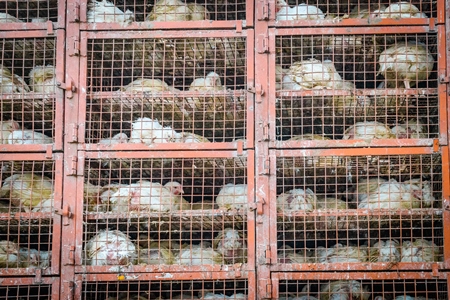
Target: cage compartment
364	289
30	101
167	211
168	289
187	90
334	209
127	12
26	288
333	13
30	195
13	12
327	84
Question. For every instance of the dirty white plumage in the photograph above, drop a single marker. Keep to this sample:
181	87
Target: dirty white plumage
313	74
9	254
110	247
34	258
368	131
413	129
232	245
209	295
344	290
422	190
10	83
391	195
157	254
300	12
330	203
119	138
7	127
7	18
404	65
148	85
400	10
366	186
147	196
148	131
27	190
385	251
176	10
106	11
419	251
364	11
43	79
45	206
288	255
296	200
232	196
339	254
28	137
196	255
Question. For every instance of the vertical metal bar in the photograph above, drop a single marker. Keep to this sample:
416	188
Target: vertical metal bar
57	204
251	226
59	93
442	87
250	81
446	203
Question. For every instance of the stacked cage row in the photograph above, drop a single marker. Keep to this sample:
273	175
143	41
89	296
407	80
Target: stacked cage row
160	219
355	161
31	110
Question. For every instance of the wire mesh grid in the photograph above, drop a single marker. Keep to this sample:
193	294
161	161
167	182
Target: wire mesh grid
165	211
187	90
186	289
19	292
357	87
28	90
126	12
20	11
364	289
340	209
335	10
26	239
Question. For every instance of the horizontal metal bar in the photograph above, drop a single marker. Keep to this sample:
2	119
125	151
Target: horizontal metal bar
159	34
26	156
351	30
206	24
351	22
394	275
167	154
386	267
365	92
355	152
159	147
25	33
354	143
27	281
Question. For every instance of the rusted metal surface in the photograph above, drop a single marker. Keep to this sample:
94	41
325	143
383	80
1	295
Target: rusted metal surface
186	286
145	15
366	288
31	227
23	288
196	88
32	103
32	15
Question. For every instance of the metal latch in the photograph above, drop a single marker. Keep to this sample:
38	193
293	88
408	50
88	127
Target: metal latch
73	133
263	43
264	16
68	86
73	170
257	89
71	257
38	275
258	206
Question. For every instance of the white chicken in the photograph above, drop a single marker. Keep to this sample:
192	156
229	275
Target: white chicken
119	138
147	196
313	74
406	297
232	196
27	190
7	127
422	190
296	200
404	65
9	254
110	247
197	255
155	255
364	11
385	251
330	203
368	131
43	79
340	254
176	10
211	83
366	186
231	244
392	195
10	83
7	18
300	12
419	251
148	85
148	131
288	255
105	11
413	129
400	10
344	290
34	258
28	137
45	206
